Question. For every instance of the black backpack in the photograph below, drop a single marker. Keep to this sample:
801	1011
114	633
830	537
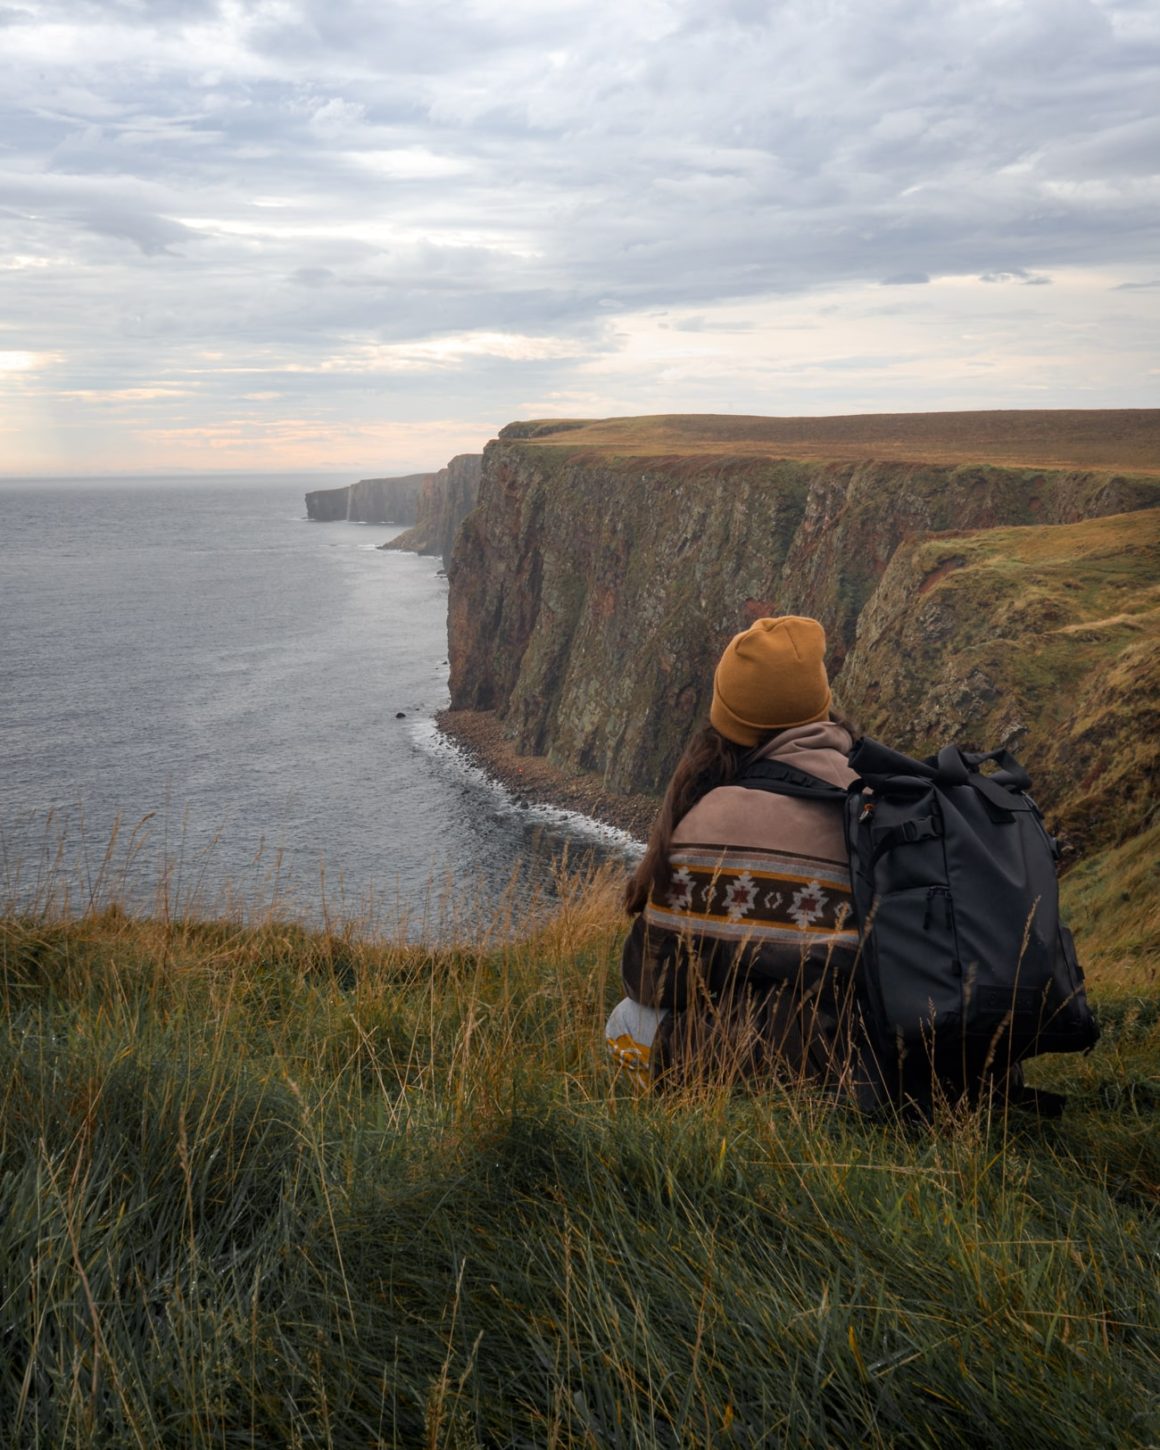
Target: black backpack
964	968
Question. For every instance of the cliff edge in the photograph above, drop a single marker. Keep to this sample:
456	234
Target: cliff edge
595	584
444	502
370	500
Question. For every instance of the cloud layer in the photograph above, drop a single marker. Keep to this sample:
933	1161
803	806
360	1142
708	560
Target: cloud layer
319	232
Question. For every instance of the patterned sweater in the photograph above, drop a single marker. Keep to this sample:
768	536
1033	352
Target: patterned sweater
760	902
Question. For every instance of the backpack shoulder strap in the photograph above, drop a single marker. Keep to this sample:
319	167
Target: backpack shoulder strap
781	779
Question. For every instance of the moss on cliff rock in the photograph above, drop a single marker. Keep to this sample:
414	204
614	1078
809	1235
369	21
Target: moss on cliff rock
591	592
1044	639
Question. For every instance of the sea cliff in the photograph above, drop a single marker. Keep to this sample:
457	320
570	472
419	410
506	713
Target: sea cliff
595	584
444	502
370	500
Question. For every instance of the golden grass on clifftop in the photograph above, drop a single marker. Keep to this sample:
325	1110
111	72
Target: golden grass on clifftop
1073	438
1047	638
272	1187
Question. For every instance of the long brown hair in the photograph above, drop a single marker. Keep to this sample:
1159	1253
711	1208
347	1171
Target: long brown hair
709	761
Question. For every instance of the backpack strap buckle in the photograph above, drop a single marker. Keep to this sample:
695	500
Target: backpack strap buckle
885	838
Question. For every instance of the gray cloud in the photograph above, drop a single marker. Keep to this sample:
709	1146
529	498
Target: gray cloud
305	179
1017	274
154	235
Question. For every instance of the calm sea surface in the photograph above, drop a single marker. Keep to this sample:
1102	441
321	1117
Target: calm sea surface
195	660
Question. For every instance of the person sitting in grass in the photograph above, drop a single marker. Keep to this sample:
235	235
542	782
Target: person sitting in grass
740	960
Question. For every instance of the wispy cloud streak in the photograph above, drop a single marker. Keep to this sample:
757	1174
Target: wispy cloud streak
393	214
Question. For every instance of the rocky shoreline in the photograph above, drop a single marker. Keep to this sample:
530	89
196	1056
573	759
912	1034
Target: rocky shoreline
534	778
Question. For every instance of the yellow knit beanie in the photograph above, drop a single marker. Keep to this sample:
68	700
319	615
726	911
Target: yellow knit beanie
771	676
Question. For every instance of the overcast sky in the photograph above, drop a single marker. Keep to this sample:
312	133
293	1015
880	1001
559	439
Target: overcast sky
365	234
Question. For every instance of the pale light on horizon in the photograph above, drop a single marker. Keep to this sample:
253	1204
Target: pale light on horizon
245	237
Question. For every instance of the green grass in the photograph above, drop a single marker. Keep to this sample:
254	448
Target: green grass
1045	637
267	1187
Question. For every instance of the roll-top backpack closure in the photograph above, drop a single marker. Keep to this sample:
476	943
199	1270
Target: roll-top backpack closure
1003	790
875	761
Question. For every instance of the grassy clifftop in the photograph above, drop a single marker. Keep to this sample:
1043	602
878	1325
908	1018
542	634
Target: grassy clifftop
1097	438
1047	639
263	1187
591	595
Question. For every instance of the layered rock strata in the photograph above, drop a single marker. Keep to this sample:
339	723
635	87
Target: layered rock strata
591	594
370	500
444	502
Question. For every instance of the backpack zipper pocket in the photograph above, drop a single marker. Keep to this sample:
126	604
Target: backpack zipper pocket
928	917
915	963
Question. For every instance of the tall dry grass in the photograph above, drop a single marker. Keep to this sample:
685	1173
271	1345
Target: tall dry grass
268	1186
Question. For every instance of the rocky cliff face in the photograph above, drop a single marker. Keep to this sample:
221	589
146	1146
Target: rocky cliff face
370	500
591	594
1045	640
444	502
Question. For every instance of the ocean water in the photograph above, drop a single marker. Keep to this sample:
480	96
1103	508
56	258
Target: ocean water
243	702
